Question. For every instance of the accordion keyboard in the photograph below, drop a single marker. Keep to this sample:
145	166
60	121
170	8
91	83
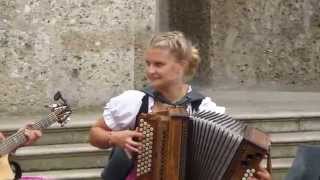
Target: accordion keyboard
144	160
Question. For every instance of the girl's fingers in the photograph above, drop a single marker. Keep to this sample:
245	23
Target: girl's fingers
131	148
135	134
134	143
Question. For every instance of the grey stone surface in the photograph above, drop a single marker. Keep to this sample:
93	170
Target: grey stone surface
86	49
269	45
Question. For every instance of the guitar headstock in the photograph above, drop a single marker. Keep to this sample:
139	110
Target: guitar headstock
61	109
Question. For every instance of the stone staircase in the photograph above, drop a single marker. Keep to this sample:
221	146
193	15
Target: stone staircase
64	153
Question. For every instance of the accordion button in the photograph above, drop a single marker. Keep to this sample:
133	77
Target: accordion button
253	170
246	175
250	174
248	171
244	178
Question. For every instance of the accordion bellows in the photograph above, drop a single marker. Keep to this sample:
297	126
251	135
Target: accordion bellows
200	146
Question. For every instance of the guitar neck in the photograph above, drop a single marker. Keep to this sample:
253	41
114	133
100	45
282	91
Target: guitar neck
18	138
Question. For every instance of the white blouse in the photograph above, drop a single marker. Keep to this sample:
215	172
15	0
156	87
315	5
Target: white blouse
121	111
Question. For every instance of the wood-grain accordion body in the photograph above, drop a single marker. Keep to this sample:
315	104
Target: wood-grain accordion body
200	146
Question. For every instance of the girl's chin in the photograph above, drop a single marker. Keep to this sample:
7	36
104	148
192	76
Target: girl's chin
157	85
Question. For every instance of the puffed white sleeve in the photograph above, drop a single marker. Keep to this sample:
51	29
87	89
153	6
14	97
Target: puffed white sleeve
208	105
121	111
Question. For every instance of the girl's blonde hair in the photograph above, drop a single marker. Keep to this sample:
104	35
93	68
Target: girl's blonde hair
180	47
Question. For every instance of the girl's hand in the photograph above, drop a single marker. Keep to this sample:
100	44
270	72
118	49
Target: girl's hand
261	174
125	139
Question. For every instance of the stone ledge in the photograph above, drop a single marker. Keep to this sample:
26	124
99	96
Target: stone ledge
44	150
69	174
295	137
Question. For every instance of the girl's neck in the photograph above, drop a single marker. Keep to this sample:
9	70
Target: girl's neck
174	92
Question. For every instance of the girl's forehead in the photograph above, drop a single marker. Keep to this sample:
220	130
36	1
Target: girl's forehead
158	53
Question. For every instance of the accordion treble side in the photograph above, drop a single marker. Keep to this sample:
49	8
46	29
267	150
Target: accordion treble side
204	145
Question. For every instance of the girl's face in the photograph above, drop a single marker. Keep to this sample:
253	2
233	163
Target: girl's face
162	68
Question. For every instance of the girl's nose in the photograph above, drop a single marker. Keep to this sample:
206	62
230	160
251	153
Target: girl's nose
151	69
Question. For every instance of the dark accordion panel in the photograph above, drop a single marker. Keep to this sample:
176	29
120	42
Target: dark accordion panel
213	140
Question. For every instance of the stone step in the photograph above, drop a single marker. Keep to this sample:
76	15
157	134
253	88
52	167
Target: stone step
74	132
280	167
282	122
83	157
280	170
77	130
60	156
72	174
284	145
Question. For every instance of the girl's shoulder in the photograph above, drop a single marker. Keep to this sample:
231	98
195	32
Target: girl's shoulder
130	95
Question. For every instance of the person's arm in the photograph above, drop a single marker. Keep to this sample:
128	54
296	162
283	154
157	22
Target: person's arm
102	136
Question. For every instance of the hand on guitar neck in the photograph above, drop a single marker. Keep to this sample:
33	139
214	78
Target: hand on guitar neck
30	134
1	136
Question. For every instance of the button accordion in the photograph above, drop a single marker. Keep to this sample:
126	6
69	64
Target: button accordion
198	146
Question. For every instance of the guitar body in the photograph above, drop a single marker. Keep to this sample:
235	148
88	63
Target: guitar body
5	169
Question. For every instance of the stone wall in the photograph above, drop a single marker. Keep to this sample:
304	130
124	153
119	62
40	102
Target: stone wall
91	50
85	48
266	45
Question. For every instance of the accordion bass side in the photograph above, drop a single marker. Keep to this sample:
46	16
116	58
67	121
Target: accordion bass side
203	145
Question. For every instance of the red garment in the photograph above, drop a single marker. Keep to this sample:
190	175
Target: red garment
132	175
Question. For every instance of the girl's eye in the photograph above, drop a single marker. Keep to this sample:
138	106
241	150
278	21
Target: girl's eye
158	64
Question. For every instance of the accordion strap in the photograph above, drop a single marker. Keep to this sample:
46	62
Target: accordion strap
269	165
